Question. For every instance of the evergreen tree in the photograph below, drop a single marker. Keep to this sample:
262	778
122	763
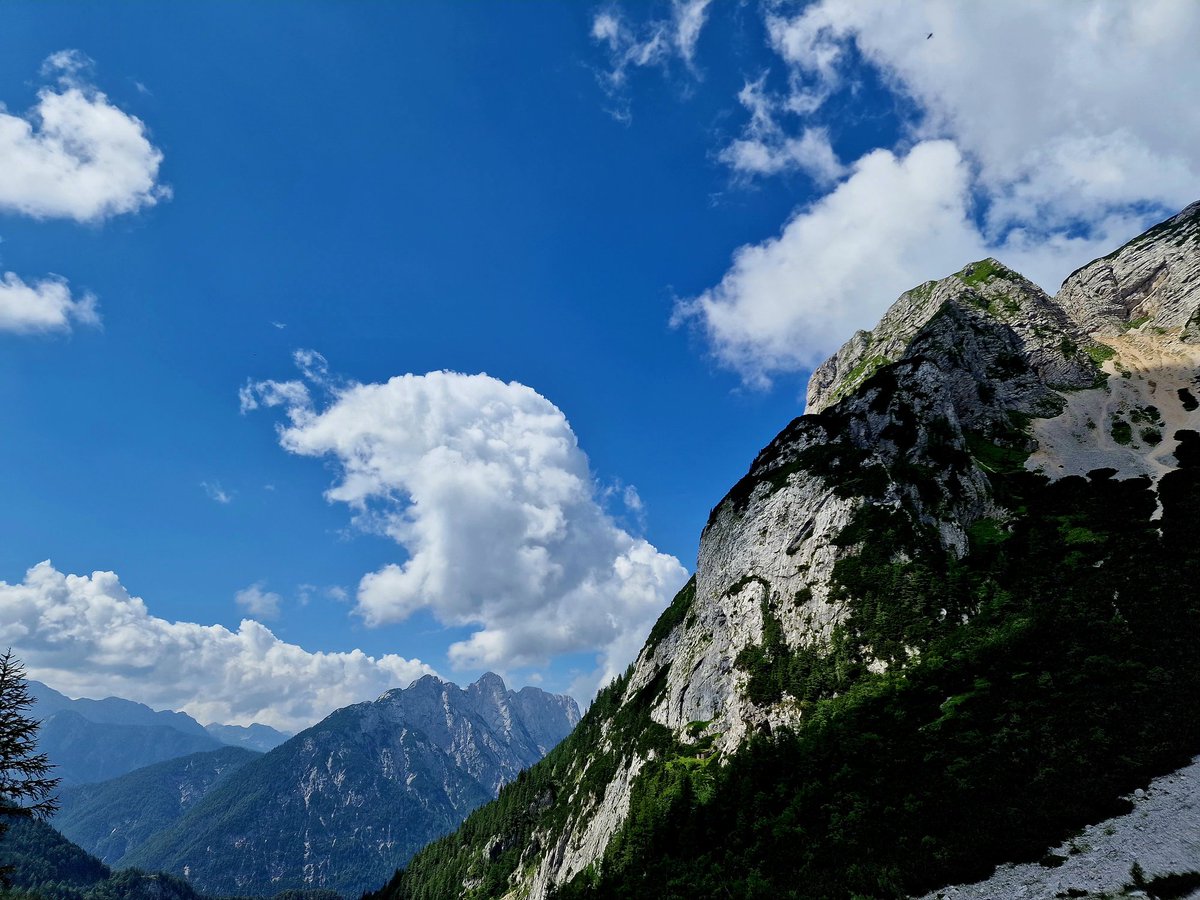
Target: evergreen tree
26	790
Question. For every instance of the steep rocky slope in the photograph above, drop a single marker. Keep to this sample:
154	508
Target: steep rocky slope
921	639
341	804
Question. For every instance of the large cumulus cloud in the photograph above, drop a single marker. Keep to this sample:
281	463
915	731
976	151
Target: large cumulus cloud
483	485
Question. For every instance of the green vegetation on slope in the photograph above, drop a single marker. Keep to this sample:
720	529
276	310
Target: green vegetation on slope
114	817
1023	689
47	866
1052	671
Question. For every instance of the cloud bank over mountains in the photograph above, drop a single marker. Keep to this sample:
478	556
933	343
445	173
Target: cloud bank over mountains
1038	133
86	635
483	485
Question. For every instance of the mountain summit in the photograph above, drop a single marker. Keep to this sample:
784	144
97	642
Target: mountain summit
344	802
947	618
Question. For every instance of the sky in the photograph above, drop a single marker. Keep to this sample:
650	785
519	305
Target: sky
344	343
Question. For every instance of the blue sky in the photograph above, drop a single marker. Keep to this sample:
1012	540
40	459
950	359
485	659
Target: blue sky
551	194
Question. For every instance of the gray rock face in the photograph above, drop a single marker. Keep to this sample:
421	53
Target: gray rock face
911	413
342	804
1153	280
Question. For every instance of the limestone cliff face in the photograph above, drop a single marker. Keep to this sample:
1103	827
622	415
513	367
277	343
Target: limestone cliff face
1154	280
911	414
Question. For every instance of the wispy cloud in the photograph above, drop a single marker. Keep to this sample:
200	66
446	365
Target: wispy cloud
258	602
217	493
655	43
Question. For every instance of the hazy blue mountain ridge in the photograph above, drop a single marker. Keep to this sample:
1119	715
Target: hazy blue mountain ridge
252	737
90	741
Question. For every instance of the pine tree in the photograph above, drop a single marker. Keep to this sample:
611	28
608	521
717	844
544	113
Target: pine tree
26	790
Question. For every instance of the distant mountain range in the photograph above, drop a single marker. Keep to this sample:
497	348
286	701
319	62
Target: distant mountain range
252	737
341	804
94	740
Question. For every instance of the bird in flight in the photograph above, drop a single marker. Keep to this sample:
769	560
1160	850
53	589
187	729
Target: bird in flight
928	36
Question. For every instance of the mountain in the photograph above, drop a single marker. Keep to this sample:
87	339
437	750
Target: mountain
947	619
341	804
84	752
111	818
46	866
252	737
112	711
95	740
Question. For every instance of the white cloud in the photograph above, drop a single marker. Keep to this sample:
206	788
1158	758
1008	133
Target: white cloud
1041	136
654	43
786	301
75	155
688	17
87	636
217	493
43	306
260	603
765	148
1107	128
484	486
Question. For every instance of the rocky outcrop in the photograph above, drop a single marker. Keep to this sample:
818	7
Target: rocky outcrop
1154	280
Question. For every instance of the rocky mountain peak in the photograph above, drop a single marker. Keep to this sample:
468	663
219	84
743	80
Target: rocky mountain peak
986	289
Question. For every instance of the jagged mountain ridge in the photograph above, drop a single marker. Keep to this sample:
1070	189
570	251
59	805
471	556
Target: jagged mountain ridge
344	802
883	543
